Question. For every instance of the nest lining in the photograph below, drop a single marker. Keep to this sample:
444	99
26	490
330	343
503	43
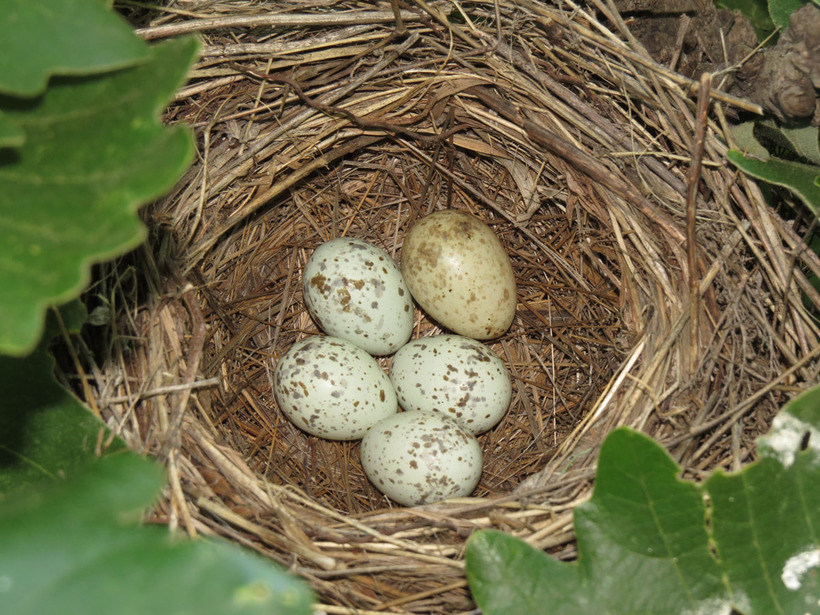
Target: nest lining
574	147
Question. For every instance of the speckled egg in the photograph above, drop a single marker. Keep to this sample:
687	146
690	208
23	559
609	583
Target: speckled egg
460	274
455	375
333	389
421	458
355	291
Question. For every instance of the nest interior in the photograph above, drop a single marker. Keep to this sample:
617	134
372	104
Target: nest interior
548	122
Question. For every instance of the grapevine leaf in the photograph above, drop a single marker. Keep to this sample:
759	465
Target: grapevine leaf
799	178
94	152
647	543
75	549
40	38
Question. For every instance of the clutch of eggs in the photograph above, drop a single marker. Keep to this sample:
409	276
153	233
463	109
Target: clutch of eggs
451	387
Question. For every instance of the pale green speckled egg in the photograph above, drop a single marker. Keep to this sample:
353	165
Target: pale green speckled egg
421	457
354	290
454	375
332	389
459	273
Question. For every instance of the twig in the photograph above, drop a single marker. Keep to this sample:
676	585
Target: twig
290	20
692	183
172	388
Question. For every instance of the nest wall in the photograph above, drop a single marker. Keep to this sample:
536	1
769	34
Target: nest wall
549	123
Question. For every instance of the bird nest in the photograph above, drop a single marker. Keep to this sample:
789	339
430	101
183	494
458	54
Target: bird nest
548	122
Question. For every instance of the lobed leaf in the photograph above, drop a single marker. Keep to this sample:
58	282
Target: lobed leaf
94	151
69	506
71	550
45	432
642	523
40	38
766	519
647	542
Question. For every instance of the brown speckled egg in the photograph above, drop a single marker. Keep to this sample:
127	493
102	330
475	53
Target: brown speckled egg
355	291
456	375
460	274
421	458
333	389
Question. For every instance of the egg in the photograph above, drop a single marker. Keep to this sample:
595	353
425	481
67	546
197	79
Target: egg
459	273
454	375
421	458
354	290
333	389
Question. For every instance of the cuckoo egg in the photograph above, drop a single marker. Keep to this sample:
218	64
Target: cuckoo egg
454	375
460	274
333	389
355	291
421	458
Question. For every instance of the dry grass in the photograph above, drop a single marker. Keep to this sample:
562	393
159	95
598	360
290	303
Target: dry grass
562	135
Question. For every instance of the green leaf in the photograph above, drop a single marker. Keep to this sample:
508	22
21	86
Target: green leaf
745	139
766	519
797	144
10	135
806	141
799	178
756	11
648	544
40	38
46	434
781	10
94	152
508	576
72	549
641	523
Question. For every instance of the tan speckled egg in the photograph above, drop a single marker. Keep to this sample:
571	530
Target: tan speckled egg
453	374
421	458
459	273
333	389
354	290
